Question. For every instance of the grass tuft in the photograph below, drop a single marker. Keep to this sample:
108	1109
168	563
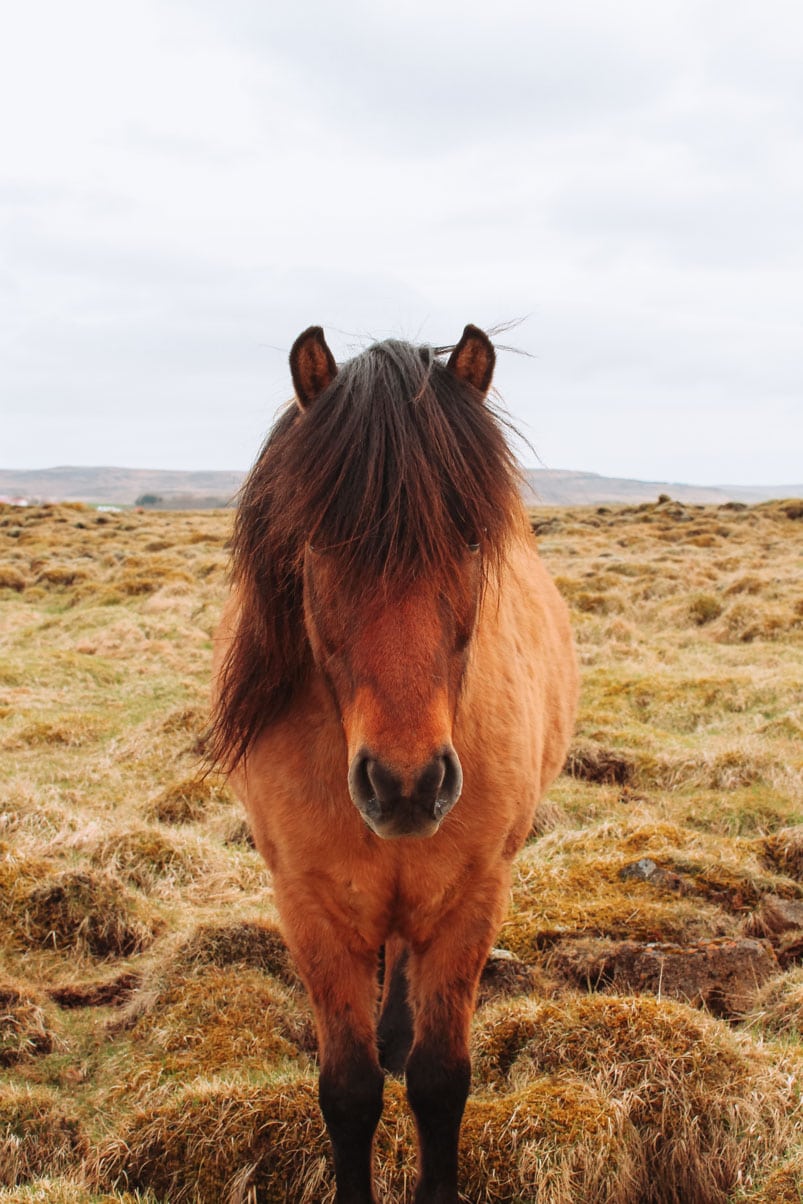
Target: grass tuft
186	800
24	1028
253	943
779	1007
37	1136
208	1138
709	1106
784	850
557	1140
86	912
148	858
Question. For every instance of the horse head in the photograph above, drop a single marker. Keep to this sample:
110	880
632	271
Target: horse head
393	645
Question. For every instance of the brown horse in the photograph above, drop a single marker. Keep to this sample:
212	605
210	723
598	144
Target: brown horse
395	688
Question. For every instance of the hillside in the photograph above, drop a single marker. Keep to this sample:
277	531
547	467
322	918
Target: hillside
549	487
117	486
639	1039
556	487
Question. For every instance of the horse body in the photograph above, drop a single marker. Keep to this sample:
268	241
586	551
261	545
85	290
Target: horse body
389	795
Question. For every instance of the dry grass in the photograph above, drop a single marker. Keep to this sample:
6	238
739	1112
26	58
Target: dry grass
778	1010
187	800
557	1139
68	1191
37	1136
211	1138
710	1107
784	1185
148	858
784	850
216	1141
84	912
24	1028
154	1037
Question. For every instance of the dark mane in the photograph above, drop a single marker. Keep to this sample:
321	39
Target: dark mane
395	467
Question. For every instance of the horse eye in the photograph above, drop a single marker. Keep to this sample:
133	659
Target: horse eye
473	547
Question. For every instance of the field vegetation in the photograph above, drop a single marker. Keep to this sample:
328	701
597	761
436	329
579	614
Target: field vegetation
639	1037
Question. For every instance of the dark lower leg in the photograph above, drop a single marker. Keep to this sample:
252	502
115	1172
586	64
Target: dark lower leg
351	1102
438	1080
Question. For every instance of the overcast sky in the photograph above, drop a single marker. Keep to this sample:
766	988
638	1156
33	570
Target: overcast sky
186	186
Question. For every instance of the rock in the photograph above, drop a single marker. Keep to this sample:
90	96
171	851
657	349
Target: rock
723	974
646	870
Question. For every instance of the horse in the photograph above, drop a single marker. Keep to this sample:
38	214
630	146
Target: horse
395	686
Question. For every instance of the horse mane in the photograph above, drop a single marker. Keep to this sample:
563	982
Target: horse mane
394	468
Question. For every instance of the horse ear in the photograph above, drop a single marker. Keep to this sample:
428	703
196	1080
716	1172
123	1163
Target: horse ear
473	359
312	366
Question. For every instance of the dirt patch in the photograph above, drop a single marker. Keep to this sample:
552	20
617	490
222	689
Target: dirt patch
112	992
724	976
594	763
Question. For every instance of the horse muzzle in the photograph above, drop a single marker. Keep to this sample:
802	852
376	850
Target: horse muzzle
392	807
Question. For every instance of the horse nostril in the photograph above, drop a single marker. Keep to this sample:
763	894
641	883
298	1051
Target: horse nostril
439	784
360	787
385	786
452	783
370	782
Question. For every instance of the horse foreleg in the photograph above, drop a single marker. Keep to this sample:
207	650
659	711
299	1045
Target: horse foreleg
443	986
341	980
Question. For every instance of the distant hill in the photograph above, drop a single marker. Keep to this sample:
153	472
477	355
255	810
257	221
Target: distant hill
200	490
120	486
559	487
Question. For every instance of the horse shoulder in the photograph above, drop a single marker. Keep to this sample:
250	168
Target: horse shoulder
518	710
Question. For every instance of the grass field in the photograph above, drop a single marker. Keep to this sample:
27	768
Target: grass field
642	1046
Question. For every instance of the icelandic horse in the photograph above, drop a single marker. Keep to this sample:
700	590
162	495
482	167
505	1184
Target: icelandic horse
395	688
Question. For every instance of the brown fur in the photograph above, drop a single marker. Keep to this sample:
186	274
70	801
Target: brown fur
398	638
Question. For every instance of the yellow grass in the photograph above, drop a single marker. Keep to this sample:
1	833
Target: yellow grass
154	1037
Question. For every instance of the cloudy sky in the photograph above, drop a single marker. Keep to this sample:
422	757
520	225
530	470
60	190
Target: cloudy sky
186	186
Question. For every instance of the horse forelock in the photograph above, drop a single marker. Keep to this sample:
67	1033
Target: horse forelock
393	470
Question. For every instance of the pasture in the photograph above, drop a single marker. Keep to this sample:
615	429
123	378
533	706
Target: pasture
642	1042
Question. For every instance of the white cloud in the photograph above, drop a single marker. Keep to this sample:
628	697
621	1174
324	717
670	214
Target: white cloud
185	187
